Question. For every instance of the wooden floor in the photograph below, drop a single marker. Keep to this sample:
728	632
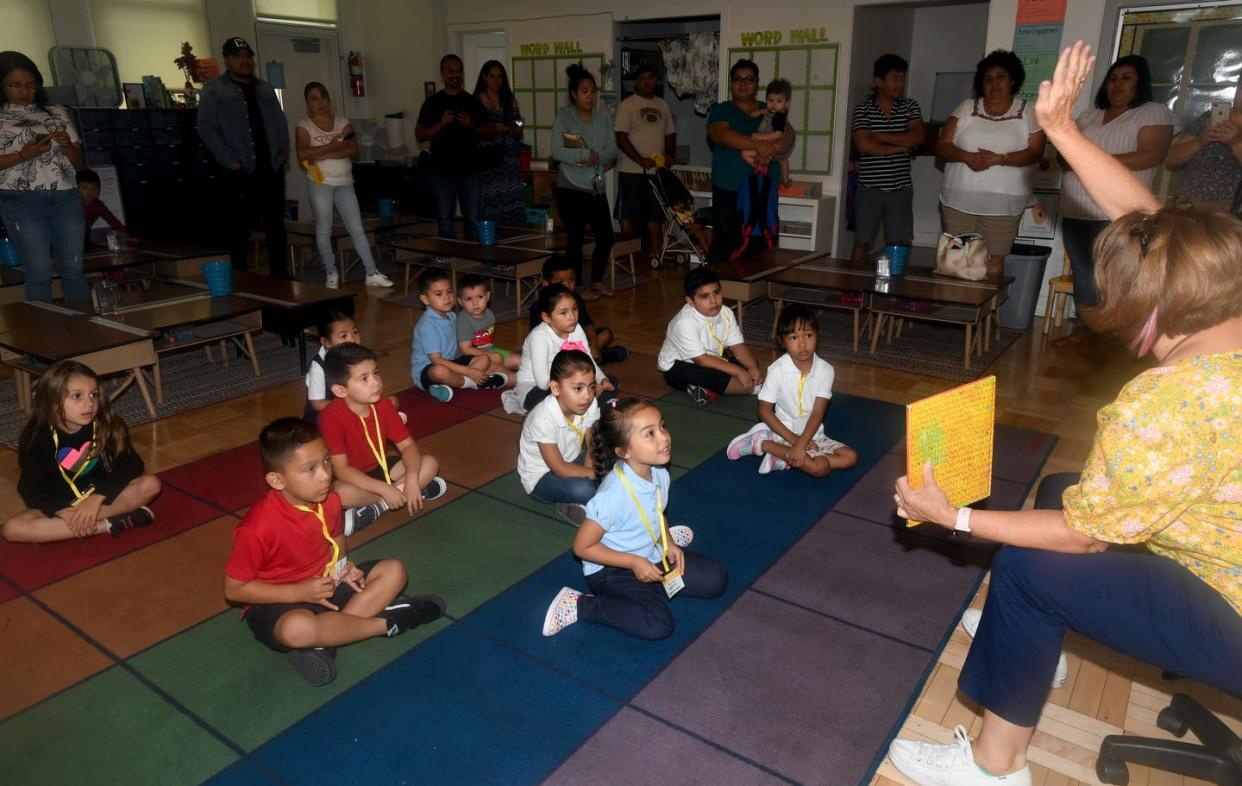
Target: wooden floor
1039	387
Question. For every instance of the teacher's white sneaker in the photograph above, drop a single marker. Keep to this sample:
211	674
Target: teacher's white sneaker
948	764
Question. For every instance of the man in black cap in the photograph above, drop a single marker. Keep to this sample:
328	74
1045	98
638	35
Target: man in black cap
241	123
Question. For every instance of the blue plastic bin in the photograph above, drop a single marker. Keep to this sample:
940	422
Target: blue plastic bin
219	275
487	233
8	253
898	256
387	207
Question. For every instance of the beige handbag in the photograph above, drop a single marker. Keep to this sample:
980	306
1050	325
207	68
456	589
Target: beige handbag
962	256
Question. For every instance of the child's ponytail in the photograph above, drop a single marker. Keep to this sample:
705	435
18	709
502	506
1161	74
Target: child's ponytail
612	432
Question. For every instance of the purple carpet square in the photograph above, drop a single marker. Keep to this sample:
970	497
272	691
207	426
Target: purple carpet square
877	579
800	694
635	748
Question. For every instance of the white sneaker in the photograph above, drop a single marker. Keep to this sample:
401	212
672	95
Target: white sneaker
563	611
681	535
970	623
378	279
950	764
332	281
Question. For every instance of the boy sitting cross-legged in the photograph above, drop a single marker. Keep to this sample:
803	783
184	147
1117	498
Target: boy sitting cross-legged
358	426
476	325
290	567
693	357
435	363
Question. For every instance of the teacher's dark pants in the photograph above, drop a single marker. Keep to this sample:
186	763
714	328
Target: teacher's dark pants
1142	605
726	225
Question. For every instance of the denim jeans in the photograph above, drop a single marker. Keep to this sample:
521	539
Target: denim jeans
1141	604
47	225
449	187
322	198
1079	236
553	488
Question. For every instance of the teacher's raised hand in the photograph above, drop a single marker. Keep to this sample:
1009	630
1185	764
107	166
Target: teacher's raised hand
1055	106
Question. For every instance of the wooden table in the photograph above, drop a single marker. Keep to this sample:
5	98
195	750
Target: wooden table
510	262
36	335
301	236
289	307
812	285
160	258
744	280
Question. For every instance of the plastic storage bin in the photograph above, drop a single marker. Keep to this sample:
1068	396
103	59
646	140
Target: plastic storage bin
1026	264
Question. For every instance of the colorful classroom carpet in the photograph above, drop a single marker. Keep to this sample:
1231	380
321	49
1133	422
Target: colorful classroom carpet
126	666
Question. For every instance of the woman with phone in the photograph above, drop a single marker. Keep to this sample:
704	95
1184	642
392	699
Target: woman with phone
500	179
39	157
325	145
1209	152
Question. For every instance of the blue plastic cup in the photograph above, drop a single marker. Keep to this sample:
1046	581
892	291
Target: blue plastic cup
219	275
487	233
387	207
8	253
897	258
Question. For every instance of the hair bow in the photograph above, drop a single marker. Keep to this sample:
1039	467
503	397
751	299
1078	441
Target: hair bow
578	345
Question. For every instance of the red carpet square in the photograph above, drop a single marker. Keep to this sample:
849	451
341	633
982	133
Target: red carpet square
427	416
229	480
33	566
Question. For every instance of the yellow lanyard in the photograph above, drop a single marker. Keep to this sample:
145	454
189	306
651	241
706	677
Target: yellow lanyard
801	385
78	496
646	522
379	454
323	522
715	337
581	434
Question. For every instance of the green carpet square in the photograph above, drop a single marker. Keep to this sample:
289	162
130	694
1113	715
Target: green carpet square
698	433
509	488
109	729
743	407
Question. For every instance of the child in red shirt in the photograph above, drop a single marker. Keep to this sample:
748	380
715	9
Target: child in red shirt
289	564
358	425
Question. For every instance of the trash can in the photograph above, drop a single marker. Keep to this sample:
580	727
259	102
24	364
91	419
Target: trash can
1026	264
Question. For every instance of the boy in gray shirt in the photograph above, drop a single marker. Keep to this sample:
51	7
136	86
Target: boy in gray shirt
476	325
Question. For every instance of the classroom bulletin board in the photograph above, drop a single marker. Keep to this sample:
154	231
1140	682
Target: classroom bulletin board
541	88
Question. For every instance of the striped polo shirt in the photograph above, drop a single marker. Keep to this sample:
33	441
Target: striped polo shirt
885	173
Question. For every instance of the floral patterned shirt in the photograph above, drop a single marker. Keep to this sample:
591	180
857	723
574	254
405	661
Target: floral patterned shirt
52	171
1166	470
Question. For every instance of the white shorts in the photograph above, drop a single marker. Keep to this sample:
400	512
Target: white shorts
821	443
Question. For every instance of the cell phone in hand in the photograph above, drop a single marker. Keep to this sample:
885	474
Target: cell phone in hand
350	136
1220	113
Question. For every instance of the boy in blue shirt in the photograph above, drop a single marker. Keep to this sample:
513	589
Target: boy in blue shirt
434	358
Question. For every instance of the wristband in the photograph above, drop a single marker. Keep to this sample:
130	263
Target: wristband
963	521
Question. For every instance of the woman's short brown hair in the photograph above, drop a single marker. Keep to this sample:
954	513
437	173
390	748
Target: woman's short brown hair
1185	262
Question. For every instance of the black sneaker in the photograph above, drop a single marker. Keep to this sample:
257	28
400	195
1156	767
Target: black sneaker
358	519
408	612
138	518
614	354
698	394
494	381
435	489
317	666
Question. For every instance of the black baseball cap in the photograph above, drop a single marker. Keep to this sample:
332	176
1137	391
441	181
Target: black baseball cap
236	45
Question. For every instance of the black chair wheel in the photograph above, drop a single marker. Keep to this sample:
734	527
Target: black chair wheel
1170	721
1112	771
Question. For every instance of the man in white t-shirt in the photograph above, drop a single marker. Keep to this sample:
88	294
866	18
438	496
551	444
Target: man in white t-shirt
693	355
645	129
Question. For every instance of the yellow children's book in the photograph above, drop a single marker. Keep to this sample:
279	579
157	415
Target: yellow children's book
953	430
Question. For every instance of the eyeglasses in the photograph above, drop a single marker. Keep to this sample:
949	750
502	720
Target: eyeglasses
745	80
29	87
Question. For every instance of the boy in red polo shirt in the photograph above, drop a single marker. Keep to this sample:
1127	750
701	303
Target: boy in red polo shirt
289	563
358	425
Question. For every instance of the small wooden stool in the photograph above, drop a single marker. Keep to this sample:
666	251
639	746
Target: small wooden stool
624	249
1060	291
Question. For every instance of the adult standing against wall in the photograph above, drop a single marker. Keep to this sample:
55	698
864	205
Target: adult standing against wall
39	202
451	121
990	145
1209	151
730	125
501	187
584	144
886	129
241	123
645	129
1135	130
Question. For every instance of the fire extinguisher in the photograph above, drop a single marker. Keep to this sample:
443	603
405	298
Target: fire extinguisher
357	81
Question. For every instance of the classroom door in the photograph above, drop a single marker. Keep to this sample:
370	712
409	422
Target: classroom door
300	55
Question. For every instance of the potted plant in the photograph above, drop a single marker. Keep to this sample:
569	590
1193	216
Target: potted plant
188	63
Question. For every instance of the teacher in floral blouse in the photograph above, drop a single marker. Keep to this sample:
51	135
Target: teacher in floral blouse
1165	472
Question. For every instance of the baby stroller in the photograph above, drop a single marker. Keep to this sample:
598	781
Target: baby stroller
669	191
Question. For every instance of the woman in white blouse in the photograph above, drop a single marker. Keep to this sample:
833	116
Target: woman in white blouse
990	145
39	202
326	143
1136	130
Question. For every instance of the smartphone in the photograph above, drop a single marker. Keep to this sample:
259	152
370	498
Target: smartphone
1220	113
350	136
519	122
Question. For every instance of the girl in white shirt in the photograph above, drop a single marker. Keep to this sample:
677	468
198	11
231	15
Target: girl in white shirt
554	463
559	330
792	405
325	145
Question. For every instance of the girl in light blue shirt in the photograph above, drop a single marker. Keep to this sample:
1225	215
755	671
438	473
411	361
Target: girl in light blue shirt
634	563
584	144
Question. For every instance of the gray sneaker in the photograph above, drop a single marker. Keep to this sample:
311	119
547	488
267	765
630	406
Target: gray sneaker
573	513
358	519
317	666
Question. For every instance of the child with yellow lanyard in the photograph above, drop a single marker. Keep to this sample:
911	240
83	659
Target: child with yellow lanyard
358	427
290	567
633	561
792	406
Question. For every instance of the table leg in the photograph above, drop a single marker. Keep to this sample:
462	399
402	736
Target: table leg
776	316
741	307
302	350
987	332
254	357
159	380
142	388
224	353
875	331
969	343
855	330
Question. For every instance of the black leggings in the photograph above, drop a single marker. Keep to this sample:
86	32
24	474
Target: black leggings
641	608
578	210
